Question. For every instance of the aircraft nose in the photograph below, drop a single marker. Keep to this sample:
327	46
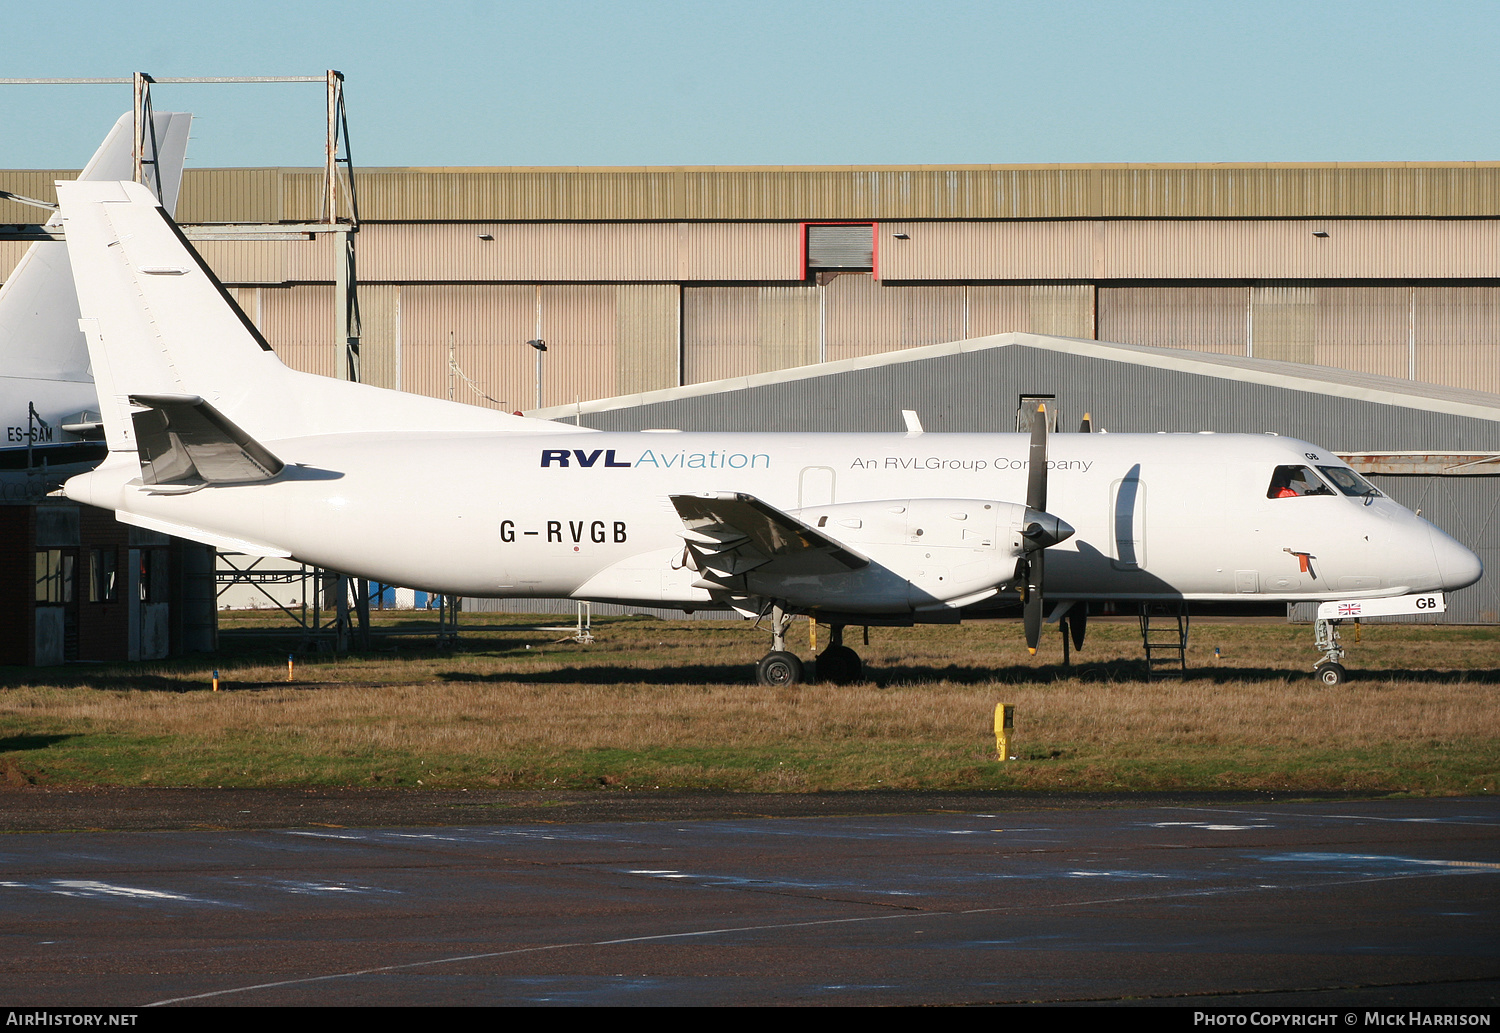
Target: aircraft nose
1457	566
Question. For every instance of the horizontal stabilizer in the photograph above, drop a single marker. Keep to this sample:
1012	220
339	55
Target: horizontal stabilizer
222	542
181	439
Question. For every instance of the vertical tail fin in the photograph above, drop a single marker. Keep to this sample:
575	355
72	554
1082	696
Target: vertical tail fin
158	322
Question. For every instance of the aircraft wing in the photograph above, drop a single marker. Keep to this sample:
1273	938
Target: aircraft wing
730	533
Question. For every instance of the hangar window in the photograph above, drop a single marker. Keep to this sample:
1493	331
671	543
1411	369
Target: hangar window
103	587
843	247
1027	405
1291	482
54	576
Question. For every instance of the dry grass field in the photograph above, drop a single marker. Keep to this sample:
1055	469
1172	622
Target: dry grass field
672	704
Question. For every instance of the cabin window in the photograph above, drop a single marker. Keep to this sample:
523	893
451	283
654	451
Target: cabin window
1349	482
1291	482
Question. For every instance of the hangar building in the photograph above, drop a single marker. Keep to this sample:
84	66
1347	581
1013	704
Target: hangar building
646	278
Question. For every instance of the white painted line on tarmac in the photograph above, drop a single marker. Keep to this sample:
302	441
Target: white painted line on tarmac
781	926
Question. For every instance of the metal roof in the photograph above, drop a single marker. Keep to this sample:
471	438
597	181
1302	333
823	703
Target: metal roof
1125	191
1320	380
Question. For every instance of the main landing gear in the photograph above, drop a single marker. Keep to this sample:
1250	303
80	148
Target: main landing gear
837	665
779	668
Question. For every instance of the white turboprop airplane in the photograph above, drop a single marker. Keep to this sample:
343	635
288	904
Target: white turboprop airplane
48	410
213	439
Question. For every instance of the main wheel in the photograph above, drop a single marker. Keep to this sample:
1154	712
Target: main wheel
1331	674
838	665
778	669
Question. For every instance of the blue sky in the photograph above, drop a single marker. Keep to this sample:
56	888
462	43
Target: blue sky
667	82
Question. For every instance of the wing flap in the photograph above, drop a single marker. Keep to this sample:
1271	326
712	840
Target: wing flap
729	534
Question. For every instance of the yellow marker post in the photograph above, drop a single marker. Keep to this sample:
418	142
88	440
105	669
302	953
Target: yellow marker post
289	667
1005	726
812	633
216	681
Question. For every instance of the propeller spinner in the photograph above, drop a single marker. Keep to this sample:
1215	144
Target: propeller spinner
1042	531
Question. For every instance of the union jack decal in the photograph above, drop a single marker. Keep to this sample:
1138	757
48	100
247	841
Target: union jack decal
1348	609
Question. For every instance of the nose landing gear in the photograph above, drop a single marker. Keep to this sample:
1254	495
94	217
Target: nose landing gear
1329	670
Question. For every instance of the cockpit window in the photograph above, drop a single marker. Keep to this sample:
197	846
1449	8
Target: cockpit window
1349	482
1292	482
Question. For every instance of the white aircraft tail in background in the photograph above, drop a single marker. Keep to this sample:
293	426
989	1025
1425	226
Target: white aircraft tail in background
47	406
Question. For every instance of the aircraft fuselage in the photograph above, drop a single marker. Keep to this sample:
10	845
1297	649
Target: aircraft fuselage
588	515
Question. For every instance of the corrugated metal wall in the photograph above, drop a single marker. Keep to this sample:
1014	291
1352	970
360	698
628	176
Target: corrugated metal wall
602	340
298	321
653	277
1441	335
578	252
33	183
861	317
380	334
1171	249
1386	190
254	261
484	329
1458	336
974	251
634	337
1431	190
1208	319
239	195
735	331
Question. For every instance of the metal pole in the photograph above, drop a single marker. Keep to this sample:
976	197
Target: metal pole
140	87
341	614
330	159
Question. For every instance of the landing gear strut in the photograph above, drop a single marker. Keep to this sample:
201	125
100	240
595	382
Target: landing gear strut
838	664
1329	670
779	668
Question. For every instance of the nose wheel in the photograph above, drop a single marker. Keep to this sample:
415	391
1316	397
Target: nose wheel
1331	674
1330	670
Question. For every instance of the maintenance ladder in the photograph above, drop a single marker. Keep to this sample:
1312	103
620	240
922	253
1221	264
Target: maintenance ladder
1164	634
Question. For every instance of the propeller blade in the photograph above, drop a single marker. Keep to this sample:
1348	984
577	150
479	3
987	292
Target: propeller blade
1036	476
1078	623
1032	608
